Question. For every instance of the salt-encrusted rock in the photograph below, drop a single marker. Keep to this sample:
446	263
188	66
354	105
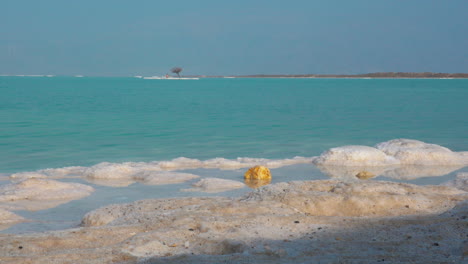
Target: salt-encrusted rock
258	173
460	182
8	218
58	173
214	185
111	182
355	156
363	198
33	194
415	152
163	177
181	163
106	170
124	174
17	177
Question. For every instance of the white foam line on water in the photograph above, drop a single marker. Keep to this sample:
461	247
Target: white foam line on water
127	169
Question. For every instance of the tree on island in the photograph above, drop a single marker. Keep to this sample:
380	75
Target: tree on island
176	70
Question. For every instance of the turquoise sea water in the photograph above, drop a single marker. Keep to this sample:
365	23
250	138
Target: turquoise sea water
66	121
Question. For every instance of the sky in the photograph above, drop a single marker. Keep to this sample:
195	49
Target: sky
214	37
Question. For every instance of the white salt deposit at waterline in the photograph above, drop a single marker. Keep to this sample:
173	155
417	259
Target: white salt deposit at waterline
166	179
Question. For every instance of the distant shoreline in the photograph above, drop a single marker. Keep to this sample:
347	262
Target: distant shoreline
383	75
377	75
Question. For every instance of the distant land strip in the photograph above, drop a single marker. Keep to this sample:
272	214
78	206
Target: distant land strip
415	75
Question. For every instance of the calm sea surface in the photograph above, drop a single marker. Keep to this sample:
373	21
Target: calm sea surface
57	122
66	121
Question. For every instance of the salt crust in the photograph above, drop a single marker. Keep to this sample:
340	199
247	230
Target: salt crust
355	156
393	152
398	158
127	173
131	170
8	218
214	185
460	182
415	152
404	159
298	222
38	194
58	173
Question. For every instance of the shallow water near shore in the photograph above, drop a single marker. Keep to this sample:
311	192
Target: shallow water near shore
62	121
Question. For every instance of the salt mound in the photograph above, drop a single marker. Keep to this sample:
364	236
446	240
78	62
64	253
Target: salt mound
415	152
17	177
162	177
33	194
181	163
355	156
58	173
111	182
365	198
124	174
214	185
107	170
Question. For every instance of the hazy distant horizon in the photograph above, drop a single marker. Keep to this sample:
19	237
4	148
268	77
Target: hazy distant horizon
209	37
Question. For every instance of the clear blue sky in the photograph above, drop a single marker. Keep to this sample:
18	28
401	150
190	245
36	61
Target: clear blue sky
148	37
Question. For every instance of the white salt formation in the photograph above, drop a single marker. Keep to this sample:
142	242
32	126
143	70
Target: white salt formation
163	177
369	198
415	152
299	222
124	174
355	156
393	152
106	170
214	185
460	182
8	218
399	158
66	172
38	194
